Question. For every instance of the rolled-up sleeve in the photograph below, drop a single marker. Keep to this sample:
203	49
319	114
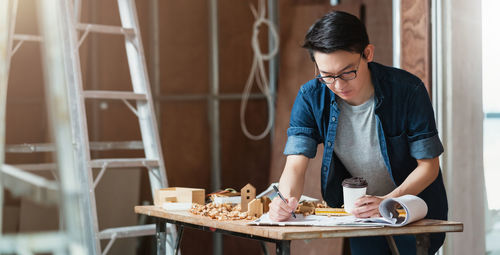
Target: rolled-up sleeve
423	139
301	145
302	134
426	148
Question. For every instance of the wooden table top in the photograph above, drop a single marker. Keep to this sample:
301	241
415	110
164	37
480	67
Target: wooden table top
301	232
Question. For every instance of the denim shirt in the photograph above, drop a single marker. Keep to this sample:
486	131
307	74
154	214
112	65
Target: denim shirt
405	124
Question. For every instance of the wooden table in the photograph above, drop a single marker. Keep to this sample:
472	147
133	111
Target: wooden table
282	236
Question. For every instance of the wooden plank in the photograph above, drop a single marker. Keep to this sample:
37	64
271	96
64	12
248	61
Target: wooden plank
301	233
416	39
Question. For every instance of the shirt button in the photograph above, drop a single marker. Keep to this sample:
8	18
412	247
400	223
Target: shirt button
329	144
324	168
333	119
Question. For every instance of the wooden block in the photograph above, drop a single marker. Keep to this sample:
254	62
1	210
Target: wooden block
255	208
180	195
247	195
170	199
265	203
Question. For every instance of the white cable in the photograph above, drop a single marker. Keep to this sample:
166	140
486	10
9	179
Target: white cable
257	72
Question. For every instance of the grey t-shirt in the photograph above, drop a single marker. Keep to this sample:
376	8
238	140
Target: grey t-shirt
357	146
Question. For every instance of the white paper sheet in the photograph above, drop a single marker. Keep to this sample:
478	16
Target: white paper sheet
229	200
414	206
415	209
177	206
312	220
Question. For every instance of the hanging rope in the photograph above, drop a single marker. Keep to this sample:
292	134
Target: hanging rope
257	72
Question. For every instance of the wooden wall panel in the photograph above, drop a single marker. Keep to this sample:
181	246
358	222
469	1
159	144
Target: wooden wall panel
184	62
235	34
416	39
244	160
184	46
185	145
378	21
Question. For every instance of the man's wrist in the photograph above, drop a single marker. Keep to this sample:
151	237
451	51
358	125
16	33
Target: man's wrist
395	193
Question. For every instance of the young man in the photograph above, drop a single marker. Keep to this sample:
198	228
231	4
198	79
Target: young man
375	122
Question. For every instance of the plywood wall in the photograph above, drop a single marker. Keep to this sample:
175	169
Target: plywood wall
416	39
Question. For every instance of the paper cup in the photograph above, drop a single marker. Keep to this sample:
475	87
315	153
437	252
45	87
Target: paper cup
354	188
351	195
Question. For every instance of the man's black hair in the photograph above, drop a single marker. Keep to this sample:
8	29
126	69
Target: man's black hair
336	30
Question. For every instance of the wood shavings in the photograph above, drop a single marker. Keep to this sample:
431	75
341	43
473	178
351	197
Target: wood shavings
220	212
311	208
322	205
305	208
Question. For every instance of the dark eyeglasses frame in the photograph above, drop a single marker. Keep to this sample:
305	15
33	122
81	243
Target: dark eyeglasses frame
340	76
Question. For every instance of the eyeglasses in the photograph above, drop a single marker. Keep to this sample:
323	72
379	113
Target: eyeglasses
346	76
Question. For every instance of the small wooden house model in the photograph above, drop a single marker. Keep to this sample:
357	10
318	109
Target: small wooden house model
247	194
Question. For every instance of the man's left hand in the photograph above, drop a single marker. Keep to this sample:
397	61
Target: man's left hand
367	206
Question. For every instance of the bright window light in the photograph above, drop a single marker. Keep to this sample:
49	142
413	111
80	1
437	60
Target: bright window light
491	100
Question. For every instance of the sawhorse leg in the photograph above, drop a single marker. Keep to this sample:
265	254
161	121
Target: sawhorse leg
423	243
263	245
392	245
283	247
161	237
179	238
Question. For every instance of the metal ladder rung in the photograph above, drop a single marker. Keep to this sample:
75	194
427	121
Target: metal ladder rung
105	29
98	163
94	146
106	94
125	145
24	37
39	242
37	166
22	183
130	231
29	148
124	162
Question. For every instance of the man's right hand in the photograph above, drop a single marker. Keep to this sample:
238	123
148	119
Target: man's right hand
280	211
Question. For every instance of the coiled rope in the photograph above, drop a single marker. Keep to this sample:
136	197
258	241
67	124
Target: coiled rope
257	72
